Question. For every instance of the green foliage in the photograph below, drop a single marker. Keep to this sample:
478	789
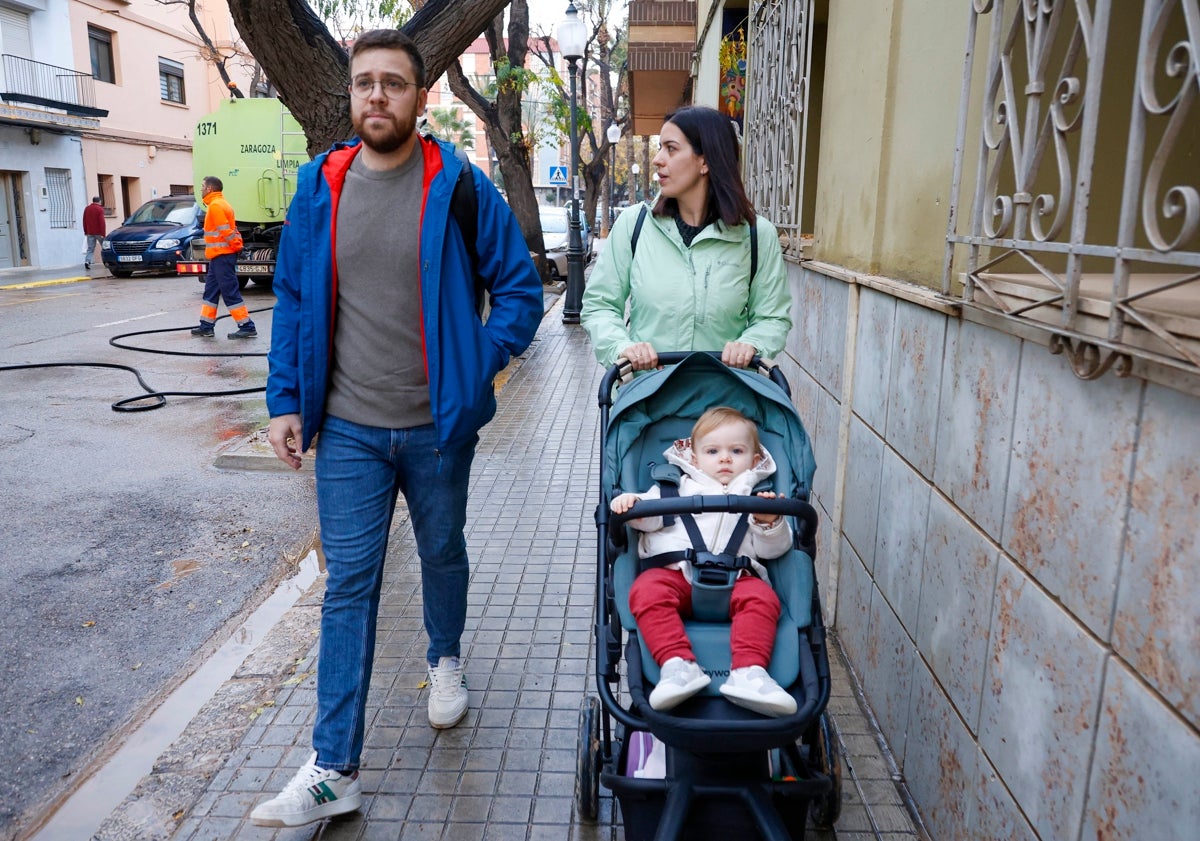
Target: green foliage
511	79
347	18
447	124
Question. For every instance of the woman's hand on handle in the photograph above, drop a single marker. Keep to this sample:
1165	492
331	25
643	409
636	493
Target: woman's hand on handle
642	356
738	354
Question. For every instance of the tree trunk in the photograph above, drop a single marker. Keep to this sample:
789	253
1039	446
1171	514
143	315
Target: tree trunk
504	127
309	68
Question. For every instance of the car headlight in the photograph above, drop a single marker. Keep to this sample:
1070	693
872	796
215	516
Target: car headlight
105	245
168	243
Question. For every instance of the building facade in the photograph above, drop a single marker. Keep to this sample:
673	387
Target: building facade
991	212
156	82
45	105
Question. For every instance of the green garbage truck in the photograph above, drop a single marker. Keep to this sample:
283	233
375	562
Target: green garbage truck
255	147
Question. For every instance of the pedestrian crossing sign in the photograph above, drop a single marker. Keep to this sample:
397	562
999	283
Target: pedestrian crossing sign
558	175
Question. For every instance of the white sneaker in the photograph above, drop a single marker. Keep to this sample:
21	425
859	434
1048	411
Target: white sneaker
447	693
751	687
312	795
678	680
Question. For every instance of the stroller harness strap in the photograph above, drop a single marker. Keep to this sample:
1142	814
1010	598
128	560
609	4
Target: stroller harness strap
714	573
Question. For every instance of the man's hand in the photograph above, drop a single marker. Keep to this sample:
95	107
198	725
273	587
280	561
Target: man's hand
284	434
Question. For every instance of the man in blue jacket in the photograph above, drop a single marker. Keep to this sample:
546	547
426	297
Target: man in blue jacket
377	344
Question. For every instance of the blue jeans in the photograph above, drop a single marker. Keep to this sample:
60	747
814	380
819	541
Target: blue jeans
360	470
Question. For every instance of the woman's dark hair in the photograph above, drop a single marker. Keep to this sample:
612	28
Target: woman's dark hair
391	39
713	135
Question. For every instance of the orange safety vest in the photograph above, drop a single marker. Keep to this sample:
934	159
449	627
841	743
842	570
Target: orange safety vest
221	235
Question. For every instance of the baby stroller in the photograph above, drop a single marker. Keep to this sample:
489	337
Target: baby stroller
729	773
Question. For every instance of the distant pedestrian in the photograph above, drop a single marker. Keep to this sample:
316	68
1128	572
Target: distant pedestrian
222	244
93	228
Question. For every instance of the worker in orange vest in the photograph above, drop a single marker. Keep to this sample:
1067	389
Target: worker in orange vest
222	244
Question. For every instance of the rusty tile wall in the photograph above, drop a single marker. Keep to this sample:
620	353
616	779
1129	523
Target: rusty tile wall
1068	484
830	353
853	605
959	579
1157	626
916	382
991	810
1148	766
887	676
940	759
1018	556
873	357
864	465
900	537
1041	691
974	436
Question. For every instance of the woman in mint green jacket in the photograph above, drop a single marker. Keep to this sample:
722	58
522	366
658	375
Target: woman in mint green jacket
689	287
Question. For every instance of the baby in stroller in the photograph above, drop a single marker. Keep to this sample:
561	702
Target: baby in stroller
723	455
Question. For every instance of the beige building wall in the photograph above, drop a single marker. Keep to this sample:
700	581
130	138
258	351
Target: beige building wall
143	147
1008	553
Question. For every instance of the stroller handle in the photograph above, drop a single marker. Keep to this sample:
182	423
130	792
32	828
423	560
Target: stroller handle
616	372
784	506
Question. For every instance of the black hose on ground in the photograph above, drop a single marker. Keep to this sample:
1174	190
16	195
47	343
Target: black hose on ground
159	398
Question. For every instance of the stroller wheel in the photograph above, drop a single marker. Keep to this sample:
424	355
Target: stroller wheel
823	753
587	760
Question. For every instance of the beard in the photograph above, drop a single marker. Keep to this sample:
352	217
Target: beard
385	137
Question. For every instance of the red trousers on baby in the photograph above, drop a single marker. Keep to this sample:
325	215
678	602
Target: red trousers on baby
660	599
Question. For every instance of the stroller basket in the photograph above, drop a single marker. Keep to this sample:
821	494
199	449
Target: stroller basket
729	772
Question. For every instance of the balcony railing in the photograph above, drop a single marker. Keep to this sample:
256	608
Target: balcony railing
36	83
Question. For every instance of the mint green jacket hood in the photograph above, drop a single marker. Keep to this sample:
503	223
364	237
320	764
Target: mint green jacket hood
686	298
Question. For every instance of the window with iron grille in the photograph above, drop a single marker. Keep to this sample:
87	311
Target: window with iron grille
100	47
62	207
170	80
1085	218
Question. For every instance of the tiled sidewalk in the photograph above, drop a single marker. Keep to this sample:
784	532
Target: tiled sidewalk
508	770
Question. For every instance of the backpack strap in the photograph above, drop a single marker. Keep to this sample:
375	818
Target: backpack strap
464	207
637	231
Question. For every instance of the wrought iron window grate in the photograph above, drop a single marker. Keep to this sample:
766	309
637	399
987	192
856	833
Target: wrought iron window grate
776	115
1085	218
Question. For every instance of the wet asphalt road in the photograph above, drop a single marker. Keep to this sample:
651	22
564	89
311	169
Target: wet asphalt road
125	551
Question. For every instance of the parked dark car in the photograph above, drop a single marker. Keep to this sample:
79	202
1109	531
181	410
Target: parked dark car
154	237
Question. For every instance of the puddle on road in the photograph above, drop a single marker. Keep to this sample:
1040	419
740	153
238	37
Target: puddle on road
96	797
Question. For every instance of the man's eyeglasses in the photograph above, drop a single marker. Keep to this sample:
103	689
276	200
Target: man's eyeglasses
392	87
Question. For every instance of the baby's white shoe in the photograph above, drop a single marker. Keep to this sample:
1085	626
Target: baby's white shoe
678	680
751	687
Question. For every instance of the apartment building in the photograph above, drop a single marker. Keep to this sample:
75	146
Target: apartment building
152	77
45	106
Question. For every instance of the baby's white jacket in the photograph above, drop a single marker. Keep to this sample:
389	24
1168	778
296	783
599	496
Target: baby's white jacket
761	541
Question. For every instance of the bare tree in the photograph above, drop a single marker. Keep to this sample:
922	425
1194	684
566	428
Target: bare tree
603	57
309	66
502	116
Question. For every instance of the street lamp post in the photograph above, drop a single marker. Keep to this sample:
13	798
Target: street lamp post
634	171
614	137
572	38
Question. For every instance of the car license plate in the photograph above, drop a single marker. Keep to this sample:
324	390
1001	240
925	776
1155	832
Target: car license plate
129	258
254	269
